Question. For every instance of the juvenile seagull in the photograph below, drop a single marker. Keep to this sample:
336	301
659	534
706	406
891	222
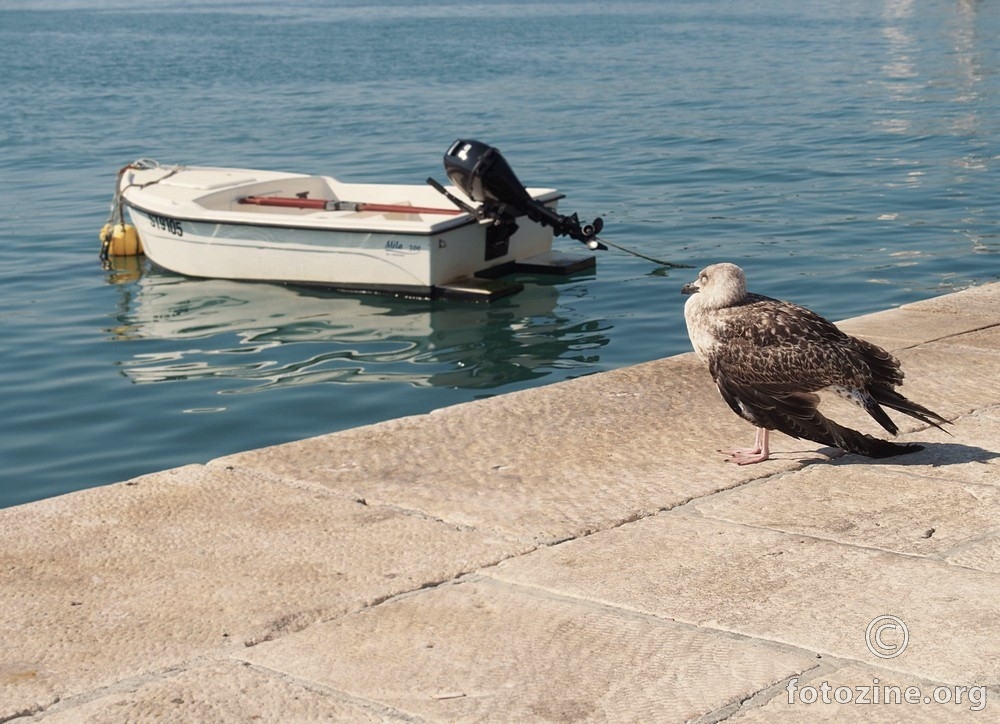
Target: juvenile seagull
769	358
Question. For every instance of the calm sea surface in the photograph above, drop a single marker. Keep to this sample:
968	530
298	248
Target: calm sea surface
846	154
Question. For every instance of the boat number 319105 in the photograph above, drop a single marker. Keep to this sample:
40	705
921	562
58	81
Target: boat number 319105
162	222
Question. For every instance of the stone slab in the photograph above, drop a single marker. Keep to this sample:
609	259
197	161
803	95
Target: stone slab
857	693
541	465
970	455
801	591
929	319
896	329
219	692
951	379
482	651
917	506
983	554
979	302
114	582
987	338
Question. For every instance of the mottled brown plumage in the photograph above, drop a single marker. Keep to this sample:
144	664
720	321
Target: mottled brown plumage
769	358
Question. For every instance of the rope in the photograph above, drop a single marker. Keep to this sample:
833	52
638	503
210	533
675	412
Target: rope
116	216
633	252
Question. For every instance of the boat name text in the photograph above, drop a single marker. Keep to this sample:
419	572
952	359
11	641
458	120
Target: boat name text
162	222
398	247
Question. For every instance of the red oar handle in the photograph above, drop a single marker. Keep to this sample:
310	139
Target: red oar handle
297	203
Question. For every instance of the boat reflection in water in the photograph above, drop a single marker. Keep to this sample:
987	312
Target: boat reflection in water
264	336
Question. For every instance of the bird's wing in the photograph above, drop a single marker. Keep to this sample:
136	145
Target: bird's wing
781	348
797	416
774	405
773	358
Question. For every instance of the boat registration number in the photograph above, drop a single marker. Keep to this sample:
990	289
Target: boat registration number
170	225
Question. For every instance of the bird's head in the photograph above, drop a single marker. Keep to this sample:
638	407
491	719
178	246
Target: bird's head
718	286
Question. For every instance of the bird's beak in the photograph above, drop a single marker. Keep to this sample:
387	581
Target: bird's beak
690	288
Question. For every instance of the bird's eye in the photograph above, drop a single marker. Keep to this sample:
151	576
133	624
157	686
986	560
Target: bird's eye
704	278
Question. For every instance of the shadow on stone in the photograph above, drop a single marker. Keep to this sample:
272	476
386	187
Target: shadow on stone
934	454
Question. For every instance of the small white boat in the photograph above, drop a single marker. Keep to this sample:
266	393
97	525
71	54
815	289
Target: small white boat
309	230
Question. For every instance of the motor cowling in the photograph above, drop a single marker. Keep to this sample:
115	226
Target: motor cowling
484	175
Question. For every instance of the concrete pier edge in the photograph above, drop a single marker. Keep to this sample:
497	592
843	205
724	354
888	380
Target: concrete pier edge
574	552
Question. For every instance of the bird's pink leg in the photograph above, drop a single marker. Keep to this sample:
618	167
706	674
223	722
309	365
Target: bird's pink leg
748	456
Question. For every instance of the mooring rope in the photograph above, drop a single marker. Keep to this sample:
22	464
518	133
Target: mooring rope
116	216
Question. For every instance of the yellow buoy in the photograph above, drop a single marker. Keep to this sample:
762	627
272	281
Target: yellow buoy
120	240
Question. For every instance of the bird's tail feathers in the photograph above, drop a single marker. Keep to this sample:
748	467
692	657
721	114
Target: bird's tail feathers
887	396
873	447
872	408
799	418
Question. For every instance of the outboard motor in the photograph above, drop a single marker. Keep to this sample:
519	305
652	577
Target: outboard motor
485	176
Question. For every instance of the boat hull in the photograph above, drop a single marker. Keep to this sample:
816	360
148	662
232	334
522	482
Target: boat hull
194	222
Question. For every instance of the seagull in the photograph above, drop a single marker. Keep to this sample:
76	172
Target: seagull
769	358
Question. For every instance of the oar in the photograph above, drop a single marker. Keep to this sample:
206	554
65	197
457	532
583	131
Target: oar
297	203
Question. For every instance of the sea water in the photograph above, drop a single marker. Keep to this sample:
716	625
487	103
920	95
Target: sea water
845	154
